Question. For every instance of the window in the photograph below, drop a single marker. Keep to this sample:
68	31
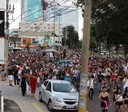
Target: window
10	44
64	87
48	24
24	41
48	27
49	86
45	83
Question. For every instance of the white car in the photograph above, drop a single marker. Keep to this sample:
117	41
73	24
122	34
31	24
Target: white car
59	95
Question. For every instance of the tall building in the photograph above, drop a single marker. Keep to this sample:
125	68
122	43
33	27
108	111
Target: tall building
64	14
31	10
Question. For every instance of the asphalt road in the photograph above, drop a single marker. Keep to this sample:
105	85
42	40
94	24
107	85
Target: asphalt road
31	104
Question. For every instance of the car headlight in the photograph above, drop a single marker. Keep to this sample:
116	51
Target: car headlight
57	99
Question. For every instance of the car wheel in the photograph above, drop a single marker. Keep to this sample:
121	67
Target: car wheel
40	97
49	105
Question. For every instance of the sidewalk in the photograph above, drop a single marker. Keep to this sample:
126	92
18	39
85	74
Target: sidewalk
13	100
11	106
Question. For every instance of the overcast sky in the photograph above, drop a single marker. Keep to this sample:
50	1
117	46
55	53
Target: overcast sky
17	13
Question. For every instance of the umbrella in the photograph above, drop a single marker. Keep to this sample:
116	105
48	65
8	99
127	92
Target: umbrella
51	50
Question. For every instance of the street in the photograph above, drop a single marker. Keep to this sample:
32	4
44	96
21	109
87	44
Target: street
31	104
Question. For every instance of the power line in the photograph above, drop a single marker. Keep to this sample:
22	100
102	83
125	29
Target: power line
47	21
60	11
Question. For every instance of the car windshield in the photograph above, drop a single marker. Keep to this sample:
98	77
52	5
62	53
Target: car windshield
64	87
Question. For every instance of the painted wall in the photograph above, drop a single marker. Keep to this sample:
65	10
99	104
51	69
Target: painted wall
26	40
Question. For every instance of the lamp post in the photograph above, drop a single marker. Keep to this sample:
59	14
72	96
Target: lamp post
85	56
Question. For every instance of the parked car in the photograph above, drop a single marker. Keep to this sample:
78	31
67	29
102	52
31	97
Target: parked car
104	52
68	62
59	95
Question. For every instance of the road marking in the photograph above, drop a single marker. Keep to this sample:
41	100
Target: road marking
36	97
37	107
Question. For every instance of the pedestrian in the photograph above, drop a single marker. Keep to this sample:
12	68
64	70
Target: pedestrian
33	83
16	79
10	75
125	96
119	101
104	97
28	83
3	73
23	83
91	87
114	93
125	82
68	76
100	78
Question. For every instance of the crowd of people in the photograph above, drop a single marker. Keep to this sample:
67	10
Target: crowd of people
30	69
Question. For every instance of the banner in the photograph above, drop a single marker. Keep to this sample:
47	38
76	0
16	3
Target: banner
2	24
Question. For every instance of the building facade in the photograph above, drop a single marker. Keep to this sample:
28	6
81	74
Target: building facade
64	14
31	10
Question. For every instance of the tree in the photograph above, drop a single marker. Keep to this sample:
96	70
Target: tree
71	38
110	17
28	46
14	39
46	37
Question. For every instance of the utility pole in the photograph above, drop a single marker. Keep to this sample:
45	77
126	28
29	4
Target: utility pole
65	36
6	37
85	56
9	9
54	27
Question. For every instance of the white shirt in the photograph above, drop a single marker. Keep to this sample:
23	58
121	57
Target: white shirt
51	55
91	83
54	78
126	83
120	98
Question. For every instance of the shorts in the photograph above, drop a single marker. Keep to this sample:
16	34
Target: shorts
119	103
2	72
111	79
125	101
88	88
10	77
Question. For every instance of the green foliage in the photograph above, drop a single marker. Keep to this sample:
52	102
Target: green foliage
28	46
72	37
14	39
110	19
42	47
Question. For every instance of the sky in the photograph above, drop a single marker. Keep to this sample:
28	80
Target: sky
15	24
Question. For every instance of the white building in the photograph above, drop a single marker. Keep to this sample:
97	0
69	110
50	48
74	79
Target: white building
39	26
65	13
37	31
